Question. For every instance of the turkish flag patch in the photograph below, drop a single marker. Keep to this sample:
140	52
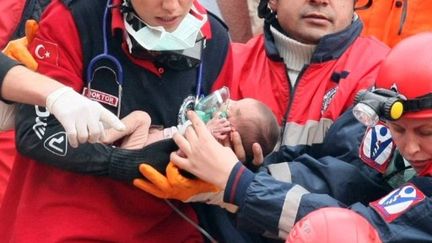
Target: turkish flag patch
45	51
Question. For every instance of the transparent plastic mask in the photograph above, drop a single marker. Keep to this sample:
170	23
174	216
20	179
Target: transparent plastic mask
217	101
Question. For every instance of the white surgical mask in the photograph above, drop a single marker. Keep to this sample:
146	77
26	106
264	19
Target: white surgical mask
158	39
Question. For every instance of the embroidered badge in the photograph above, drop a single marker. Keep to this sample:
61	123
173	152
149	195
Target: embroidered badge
45	51
328	97
100	96
377	147
398	202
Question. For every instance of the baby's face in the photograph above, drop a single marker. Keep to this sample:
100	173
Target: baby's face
237	110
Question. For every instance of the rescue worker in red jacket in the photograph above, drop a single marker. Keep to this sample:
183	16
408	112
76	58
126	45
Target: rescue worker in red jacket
401	99
132	55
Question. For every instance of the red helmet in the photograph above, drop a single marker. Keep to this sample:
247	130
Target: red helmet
333	225
408	71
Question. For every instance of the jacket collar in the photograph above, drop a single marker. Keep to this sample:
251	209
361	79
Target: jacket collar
330	47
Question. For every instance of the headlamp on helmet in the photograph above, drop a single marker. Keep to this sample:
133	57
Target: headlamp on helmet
385	104
371	106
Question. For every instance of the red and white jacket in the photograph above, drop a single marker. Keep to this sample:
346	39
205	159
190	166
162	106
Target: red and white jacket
342	64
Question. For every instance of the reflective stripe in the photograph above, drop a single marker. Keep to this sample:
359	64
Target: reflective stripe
280	171
290	209
312	132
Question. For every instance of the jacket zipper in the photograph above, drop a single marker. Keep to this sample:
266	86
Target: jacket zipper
291	98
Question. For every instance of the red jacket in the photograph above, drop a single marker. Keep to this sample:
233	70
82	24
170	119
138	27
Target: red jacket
341	65
12	19
9	19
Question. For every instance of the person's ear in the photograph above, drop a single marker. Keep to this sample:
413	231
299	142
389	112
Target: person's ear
273	4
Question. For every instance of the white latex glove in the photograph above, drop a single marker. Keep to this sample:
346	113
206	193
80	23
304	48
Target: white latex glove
7	116
84	120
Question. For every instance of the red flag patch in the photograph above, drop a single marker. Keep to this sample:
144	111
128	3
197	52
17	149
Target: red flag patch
45	51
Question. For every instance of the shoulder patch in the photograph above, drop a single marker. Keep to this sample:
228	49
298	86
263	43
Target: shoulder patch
398	202
377	147
45	51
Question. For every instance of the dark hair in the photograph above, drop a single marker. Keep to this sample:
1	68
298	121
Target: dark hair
258	127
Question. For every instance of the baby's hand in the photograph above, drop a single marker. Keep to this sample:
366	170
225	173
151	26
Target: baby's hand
219	127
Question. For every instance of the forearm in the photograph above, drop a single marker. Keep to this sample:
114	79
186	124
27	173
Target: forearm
285	193
263	201
25	86
40	136
331	176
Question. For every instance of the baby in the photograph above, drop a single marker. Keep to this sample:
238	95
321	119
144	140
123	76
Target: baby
253	120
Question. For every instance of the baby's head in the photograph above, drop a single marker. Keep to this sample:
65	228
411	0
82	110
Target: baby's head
255	123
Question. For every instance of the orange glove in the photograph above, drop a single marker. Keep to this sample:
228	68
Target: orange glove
174	185
17	49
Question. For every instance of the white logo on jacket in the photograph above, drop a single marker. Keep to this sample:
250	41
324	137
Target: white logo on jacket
377	147
399	200
57	144
40	125
328	97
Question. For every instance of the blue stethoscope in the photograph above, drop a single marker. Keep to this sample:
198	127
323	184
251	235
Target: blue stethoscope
118	73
